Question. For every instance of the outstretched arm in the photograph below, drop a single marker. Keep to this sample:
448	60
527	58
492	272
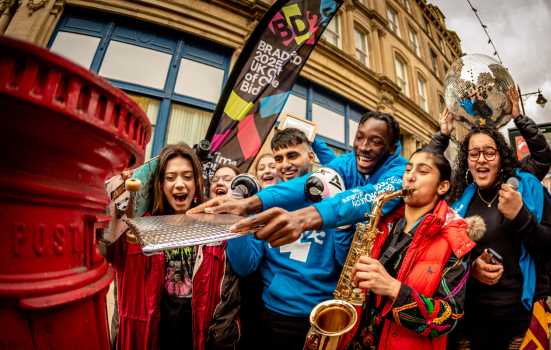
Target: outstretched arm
288	195
348	207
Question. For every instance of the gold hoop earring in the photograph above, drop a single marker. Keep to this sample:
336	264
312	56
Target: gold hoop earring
467	177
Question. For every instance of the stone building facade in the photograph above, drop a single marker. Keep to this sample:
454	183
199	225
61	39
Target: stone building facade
173	58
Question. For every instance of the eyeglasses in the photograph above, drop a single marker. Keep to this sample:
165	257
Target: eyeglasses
489	154
226	178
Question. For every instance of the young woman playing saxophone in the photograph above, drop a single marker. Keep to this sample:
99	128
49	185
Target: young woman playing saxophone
418	269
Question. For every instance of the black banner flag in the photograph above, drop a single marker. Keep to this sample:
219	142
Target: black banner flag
262	78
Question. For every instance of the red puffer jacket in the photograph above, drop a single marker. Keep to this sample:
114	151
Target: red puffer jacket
140	278
443	231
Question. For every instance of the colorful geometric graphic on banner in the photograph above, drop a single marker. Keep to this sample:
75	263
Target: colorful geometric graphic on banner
262	78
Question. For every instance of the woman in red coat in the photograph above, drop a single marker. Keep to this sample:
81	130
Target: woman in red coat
185	298
418	270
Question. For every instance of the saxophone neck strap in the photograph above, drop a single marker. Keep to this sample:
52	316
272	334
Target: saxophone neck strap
406	239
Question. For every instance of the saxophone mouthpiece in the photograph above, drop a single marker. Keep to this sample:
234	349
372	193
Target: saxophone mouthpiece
406	191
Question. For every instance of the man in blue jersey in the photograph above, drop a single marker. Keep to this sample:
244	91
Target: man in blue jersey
374	167
295	277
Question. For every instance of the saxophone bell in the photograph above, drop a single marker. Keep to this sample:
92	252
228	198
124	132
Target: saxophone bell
330	320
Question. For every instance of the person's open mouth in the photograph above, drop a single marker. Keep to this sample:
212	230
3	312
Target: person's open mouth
180	198
364	162
268	179
220	192
289	174
483	172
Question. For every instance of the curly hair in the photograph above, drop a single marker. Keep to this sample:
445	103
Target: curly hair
507	166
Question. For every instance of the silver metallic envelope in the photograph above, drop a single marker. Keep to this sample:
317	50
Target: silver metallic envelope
158	233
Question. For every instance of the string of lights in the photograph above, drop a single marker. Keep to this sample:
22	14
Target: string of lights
484	27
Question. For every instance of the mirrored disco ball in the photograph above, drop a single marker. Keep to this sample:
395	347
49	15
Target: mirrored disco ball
475	90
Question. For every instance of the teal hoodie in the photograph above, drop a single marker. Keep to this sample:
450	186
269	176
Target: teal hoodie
348	207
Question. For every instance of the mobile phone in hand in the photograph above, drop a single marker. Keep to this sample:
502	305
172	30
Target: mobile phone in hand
493	258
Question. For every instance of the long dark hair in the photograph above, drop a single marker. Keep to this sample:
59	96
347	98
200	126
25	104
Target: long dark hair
160	204
507	165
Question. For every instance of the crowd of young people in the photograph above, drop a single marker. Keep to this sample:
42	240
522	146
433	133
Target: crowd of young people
427	278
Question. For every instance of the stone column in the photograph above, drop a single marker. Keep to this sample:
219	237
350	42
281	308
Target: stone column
384	65
348	43
5	19
375	46
30	22
410	145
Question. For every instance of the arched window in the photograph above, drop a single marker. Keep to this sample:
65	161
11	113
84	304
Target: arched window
401	76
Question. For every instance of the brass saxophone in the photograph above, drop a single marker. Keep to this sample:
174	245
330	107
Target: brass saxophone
335	322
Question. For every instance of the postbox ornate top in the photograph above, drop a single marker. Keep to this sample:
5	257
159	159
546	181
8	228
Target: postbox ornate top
35	75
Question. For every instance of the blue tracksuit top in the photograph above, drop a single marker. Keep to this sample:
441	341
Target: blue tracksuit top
297	276
348	207
324	153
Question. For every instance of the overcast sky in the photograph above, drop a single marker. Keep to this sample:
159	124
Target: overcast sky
521	32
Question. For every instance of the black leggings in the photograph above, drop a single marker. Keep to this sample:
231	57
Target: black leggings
490	333
282	332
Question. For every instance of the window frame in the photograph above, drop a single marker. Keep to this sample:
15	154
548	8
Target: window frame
406	5
434	59
365	42
405	89
422	87
396	24
441	103
414	42
338	35
441	44
427	26
314	93
183	45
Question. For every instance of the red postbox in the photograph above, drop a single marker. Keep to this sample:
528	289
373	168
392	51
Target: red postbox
63	132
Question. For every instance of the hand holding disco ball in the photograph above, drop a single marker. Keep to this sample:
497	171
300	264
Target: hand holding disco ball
475	91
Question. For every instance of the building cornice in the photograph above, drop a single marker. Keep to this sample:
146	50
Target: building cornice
432	12
388	92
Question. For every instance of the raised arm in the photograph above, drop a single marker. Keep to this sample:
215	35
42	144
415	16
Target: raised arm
324	153
539	158
441	140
